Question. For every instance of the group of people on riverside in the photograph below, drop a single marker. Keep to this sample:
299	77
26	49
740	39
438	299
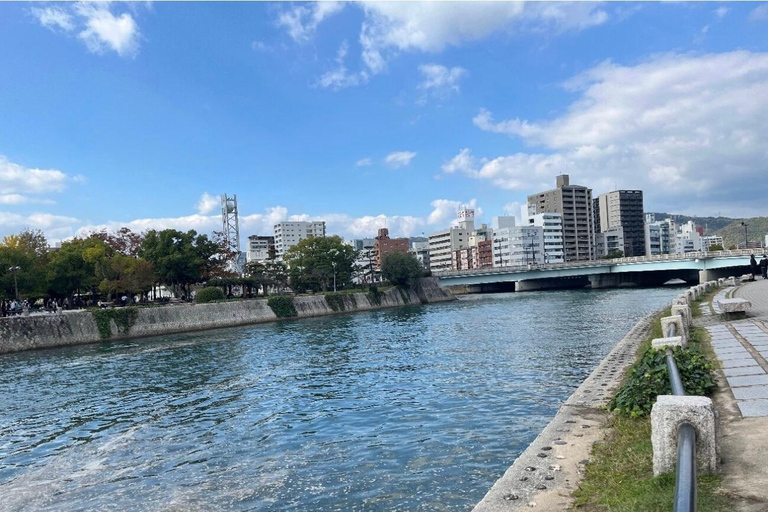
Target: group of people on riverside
11	307
763	266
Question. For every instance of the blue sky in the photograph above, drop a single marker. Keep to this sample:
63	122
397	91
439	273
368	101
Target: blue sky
373	114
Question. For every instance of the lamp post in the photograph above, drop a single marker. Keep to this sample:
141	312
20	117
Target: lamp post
334	253
15	270
370	260
746	238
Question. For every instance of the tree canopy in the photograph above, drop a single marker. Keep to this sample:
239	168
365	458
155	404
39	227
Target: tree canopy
401	268
313	261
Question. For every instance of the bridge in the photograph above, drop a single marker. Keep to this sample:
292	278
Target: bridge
691	267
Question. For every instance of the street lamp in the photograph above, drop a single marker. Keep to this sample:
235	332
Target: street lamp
14	271
746	239
334	253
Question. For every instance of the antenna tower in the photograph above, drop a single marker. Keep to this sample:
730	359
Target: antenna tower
231	229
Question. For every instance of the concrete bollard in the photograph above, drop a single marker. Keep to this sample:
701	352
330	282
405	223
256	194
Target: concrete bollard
721	281
667	414
674	341
731	281
680	327
682	299
684	311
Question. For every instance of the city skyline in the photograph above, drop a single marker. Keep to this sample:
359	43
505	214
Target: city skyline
369	115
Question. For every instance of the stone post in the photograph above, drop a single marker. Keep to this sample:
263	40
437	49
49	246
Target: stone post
680	327
667	414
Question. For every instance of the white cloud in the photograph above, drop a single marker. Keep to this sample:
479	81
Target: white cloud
399	159
302	21
341	77
759	13
55	227
445	211
721	12
207	203
18	179
364	162
20	199
440	80
682	127
53	18
392	27
99	28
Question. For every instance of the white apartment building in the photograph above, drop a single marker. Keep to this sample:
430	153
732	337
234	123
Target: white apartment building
687	239
258	247
552	225
442	244
288	234
518	246
609	241
708	241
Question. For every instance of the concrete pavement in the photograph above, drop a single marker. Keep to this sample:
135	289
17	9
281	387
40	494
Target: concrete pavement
741	399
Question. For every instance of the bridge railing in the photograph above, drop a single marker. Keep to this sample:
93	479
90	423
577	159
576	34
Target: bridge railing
597	263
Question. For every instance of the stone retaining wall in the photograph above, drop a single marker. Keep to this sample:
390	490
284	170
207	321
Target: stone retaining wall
78	327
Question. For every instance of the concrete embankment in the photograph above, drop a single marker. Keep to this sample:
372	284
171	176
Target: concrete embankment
79	327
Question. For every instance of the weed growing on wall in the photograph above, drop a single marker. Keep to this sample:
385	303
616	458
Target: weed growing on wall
282	306
335	301
124	319
374	295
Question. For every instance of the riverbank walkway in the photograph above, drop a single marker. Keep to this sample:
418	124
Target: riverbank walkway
741	400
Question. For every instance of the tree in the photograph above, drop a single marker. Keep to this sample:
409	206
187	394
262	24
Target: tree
401	268
314	261
613	254
72	268
27	254
180	259
124	240
716	247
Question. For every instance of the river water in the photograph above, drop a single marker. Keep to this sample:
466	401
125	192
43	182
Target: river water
418	408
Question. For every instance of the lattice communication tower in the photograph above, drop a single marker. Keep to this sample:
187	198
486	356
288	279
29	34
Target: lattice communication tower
231	229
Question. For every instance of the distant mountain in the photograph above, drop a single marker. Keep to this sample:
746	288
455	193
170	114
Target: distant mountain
710	224
730	229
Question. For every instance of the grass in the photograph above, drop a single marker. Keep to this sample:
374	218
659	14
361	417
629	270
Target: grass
620	476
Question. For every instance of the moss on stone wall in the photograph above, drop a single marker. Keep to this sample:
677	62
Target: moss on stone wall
124	319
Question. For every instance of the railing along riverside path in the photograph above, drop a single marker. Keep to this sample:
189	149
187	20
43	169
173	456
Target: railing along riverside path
685	477
596	263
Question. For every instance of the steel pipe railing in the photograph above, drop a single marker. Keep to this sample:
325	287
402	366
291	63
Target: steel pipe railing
685	477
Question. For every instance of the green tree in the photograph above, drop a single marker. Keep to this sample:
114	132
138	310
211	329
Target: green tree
716	247
180	259
314	261
613	254
27	254
401	268
72	267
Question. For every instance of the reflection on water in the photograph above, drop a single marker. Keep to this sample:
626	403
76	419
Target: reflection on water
420	408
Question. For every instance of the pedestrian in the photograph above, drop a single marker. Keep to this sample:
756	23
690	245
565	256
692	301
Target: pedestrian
764	267
753	266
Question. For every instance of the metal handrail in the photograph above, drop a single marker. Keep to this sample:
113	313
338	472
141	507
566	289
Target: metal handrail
685	478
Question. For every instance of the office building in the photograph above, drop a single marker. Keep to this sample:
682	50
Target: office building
574	203
518	246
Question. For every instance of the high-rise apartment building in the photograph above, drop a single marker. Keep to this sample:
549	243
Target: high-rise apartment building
384	245
622	209
288	234
552	224
574	203
444	243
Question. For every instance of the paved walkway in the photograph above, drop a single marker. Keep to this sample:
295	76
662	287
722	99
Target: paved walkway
741	399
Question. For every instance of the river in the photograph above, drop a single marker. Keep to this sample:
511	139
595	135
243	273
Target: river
413	409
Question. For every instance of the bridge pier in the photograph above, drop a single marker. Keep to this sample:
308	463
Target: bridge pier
715	274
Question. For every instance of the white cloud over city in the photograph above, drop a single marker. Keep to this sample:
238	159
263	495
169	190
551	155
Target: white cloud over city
683	127
99	26
398	159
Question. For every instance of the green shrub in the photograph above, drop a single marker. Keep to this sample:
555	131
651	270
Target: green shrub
124	319
374	295
649	378
282	306
209	294
335	301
